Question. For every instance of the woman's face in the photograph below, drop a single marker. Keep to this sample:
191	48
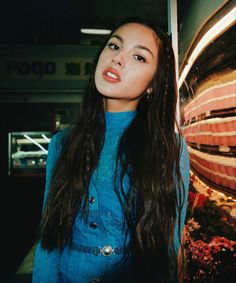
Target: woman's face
126	66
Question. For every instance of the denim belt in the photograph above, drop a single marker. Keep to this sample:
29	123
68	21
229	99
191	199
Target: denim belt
106	250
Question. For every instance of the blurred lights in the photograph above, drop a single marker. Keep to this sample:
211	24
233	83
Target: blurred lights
95	31
36	143
223	24
204	189
46	138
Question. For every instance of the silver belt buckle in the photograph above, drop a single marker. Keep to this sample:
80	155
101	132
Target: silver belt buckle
107	250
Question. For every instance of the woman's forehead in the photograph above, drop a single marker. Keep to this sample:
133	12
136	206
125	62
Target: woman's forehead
137	33
131	27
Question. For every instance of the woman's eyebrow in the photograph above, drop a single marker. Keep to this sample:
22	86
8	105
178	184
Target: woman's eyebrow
118	37
136	46
145	48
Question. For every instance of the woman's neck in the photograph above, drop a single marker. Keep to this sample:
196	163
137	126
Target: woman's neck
119	105
119	120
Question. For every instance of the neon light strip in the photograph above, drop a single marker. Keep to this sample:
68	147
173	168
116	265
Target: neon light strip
208	37
95	31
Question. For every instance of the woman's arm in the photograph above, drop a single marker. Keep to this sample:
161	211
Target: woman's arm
45	268
185	173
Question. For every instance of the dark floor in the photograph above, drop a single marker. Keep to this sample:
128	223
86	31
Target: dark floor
23	273
20	211
24	278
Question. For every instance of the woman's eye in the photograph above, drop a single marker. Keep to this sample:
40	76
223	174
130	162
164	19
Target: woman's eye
113	46
140	58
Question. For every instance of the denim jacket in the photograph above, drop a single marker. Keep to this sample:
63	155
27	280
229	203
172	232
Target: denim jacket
99	243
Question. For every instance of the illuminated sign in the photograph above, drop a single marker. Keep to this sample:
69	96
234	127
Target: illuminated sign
45	67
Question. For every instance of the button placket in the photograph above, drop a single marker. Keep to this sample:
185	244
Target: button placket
93	206
93	225
92	200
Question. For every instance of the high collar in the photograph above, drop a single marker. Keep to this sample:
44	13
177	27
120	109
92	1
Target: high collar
116	120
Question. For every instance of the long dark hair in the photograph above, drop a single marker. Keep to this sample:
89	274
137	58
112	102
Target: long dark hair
149	152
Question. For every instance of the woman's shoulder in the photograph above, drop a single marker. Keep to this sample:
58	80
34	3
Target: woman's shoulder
60	136
58	139
182	143
184	153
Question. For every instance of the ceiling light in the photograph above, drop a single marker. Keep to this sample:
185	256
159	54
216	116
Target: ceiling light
95	31
223	24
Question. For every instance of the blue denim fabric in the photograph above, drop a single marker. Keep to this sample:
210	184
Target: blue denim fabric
84	263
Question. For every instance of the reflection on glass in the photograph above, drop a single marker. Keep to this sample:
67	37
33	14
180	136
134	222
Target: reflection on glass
208	112
28	152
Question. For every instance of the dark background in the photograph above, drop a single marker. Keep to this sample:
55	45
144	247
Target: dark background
58	22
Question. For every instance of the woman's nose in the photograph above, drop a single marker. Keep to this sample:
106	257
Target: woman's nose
118	60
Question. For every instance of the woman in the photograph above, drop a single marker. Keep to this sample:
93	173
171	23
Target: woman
116	184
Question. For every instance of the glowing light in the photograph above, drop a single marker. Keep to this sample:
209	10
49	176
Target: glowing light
36	143
208	37
95	31
46	138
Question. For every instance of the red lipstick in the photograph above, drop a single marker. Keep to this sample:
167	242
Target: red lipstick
111	75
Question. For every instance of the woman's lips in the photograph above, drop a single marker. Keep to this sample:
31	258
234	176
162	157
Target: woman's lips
111	75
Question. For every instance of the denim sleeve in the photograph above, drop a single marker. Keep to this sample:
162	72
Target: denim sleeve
185	173
45	269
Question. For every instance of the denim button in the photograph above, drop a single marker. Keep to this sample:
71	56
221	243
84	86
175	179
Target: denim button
92	200
93	225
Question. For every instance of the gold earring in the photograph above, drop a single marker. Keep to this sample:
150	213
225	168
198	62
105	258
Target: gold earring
149	93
